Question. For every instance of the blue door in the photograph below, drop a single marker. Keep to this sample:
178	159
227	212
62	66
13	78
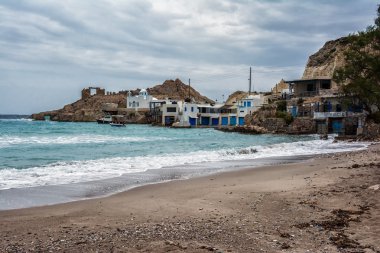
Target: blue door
205	121
337	126
241	121
224	121
215	121
233	120
294	111
192	121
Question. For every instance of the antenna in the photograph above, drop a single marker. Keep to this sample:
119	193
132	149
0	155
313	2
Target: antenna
250	80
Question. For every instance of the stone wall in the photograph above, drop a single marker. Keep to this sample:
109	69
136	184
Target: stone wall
302	126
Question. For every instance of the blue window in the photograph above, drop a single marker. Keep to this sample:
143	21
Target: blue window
249	104
192	109
245	104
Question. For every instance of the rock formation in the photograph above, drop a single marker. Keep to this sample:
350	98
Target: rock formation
177	90
89	107
323	63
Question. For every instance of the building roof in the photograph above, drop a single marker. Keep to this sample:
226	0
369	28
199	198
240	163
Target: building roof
307	80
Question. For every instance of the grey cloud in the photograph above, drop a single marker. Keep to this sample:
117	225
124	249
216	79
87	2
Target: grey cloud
125	44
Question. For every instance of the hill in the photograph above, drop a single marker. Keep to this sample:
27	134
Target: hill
90	108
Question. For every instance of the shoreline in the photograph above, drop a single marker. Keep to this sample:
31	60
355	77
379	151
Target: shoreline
319	205
39	196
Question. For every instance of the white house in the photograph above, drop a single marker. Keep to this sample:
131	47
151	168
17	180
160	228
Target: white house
249	105
141	101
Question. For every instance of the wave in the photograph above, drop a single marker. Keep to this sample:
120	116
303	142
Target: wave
6	141
81	171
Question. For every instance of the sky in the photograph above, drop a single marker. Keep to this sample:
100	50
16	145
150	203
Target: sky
51	50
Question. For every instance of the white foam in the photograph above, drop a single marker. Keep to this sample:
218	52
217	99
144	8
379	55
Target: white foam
6	141
81	171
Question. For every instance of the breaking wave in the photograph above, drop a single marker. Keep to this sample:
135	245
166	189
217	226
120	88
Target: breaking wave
6	141
89	170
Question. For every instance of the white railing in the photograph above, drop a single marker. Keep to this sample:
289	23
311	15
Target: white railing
325	115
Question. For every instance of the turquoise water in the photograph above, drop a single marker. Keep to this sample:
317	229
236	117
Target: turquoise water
35	153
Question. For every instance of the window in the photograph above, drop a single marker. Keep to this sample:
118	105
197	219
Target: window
185	109
138	104
249	104
192	109
171	109
130	104
245	104
326	84
310	87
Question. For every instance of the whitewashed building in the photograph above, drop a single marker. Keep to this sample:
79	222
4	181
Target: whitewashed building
141	101
247	106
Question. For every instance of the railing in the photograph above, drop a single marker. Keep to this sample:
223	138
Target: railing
325	115
306	94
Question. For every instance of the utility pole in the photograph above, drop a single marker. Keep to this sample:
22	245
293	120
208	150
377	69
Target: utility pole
250	81
189	90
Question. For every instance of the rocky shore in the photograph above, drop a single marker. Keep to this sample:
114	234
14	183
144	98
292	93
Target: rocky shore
328	204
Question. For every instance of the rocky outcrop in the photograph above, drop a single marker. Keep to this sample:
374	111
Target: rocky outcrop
89	108
83	110
245	129
323	63
176	89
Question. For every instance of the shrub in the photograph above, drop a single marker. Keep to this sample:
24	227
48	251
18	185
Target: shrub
286	116
281	106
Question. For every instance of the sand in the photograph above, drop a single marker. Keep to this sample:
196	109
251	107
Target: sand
328	204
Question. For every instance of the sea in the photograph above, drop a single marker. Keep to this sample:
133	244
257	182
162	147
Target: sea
47	162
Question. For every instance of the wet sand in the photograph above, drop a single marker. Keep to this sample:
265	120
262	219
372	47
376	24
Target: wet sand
328	204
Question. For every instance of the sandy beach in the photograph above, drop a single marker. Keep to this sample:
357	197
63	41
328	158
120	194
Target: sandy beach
328	204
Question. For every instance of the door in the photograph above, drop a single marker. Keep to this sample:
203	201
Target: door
337	126
233	120
192	121
241	121
224	121
205	121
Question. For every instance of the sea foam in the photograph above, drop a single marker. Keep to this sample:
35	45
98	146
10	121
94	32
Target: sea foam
89	170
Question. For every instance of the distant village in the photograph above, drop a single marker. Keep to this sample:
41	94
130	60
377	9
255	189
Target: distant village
314	106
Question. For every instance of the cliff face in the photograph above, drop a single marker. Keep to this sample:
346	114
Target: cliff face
323	63
89	108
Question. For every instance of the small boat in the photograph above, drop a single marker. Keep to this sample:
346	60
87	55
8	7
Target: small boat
117	124
107	119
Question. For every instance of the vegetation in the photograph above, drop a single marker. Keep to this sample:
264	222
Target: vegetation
360	77
281	106
286	116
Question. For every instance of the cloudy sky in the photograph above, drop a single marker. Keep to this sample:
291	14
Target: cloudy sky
50	50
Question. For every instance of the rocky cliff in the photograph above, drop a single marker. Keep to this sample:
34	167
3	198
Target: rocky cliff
89	108
323	63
